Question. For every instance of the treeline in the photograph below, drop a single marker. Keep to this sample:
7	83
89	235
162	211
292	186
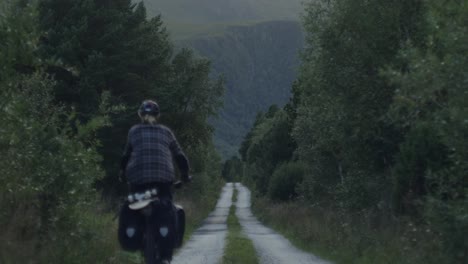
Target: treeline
72	75
376	132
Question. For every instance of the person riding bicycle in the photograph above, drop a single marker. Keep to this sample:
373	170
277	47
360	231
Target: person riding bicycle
148	161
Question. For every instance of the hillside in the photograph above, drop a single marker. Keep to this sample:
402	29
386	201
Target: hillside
259	64
253	43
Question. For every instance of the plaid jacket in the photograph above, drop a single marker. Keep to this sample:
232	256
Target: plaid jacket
149	153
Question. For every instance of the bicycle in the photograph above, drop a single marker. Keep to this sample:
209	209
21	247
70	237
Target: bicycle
150	212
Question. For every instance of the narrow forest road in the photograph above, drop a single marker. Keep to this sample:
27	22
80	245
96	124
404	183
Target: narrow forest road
271	247
206	246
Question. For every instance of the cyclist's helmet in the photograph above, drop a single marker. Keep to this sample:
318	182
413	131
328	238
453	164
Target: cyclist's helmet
149	107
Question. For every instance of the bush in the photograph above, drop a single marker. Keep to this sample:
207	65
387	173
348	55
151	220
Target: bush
48	175
285	180
421	151
232	169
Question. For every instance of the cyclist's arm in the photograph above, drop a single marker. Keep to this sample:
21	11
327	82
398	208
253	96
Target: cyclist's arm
183	164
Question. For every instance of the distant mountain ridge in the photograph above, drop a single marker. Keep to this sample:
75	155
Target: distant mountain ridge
189	18
259	63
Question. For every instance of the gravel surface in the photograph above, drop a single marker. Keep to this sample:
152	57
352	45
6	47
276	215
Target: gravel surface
206	246
271	247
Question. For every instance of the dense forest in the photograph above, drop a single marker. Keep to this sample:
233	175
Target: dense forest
73	74
373	143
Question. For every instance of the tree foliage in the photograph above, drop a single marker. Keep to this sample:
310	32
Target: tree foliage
268	145
285	181
379	114
48	170
232	170
73	74
431	105
344	96
110	46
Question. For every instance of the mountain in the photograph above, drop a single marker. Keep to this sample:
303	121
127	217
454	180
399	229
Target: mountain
259	64
254	44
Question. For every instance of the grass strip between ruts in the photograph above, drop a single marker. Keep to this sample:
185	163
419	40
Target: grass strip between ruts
239	249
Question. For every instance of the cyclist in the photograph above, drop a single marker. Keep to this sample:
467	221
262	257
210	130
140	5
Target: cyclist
147	163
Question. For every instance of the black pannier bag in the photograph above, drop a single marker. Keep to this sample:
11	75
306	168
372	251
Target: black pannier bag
131	228
180	225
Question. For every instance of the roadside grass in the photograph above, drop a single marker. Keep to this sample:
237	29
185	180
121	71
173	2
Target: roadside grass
103	247
239	249
90	235
92	239
350	240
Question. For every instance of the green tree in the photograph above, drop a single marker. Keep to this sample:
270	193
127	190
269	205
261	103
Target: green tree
285	181
267	145
431	105
66	68
232	170
341	128
112	46
48	170
189	100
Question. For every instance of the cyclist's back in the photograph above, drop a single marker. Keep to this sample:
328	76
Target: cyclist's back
150	152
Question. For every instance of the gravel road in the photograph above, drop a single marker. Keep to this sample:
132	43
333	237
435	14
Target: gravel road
206	246
271	247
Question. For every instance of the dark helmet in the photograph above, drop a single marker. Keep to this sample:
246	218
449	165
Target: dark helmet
148	107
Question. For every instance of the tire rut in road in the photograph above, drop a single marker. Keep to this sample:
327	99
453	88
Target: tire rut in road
271	247
206	246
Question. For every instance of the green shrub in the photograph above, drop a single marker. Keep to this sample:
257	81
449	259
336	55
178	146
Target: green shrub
48	173
232	169
285	180
432	105
422	151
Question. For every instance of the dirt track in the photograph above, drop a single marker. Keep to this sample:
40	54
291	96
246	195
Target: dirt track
271	247
207	243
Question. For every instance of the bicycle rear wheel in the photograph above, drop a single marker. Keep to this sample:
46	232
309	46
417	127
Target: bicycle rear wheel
150	250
